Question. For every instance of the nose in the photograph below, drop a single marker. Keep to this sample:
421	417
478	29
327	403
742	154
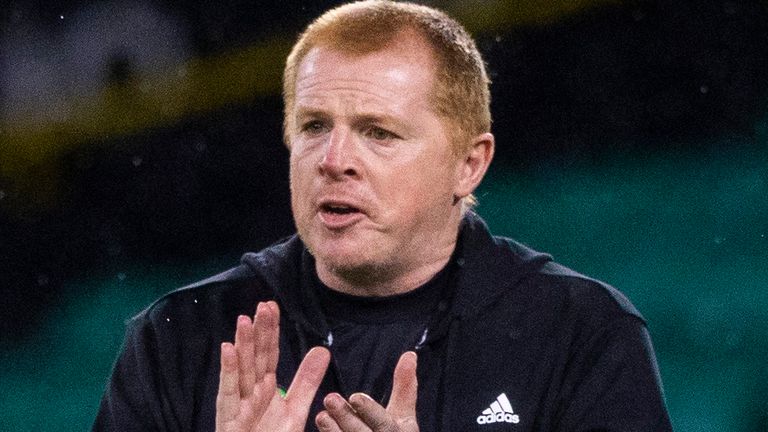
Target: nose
339	159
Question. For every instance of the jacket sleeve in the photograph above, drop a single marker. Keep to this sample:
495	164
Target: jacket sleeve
613	383
133	398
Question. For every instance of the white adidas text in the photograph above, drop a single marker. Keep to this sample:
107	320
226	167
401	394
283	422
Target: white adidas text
500	411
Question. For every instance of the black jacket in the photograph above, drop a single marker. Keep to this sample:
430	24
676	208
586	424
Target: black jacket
522	344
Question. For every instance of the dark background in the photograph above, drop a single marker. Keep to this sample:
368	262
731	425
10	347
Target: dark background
140	149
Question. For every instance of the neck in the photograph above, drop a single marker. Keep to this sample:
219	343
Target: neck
383	281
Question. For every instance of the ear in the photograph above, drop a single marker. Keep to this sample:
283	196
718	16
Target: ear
474	163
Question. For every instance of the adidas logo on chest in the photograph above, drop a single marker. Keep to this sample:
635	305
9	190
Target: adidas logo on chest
500	411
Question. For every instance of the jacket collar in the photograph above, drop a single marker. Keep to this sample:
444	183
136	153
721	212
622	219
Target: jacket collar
488	266
282	267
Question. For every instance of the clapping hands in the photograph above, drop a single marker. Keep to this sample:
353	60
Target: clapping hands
249	400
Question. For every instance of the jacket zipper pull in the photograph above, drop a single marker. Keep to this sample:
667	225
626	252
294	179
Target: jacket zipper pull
420	343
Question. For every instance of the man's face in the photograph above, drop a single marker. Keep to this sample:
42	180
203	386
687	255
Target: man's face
372	172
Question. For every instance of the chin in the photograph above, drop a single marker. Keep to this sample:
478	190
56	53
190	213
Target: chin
341	256
348	258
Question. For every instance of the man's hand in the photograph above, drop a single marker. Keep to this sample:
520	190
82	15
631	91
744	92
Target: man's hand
362	413
248	398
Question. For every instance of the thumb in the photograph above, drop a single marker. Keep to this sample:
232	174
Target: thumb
402	401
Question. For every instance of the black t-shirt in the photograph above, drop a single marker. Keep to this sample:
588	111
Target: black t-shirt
368	334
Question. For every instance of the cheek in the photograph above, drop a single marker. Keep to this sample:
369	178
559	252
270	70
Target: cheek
421	189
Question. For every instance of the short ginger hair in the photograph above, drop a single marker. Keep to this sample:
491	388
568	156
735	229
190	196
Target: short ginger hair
460	93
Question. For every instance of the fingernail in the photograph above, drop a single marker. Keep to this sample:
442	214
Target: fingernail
334	401
322	420
358	399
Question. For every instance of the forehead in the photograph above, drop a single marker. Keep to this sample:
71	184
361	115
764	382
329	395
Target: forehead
403	69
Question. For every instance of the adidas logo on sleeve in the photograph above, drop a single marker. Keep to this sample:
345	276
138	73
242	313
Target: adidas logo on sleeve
500	411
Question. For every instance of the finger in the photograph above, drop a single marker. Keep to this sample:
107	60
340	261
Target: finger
372	413
244	344
228	398
343	414
402	401
273	348
326	423
267	339
307	380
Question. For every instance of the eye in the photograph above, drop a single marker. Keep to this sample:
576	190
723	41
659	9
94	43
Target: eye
379	134
314	127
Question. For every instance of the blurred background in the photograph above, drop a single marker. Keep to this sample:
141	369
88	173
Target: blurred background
140	150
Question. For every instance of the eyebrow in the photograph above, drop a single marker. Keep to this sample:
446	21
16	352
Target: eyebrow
309	112
369	117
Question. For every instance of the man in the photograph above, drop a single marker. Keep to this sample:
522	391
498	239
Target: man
393	309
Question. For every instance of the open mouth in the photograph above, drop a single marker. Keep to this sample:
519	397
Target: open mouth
339	209
337	215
